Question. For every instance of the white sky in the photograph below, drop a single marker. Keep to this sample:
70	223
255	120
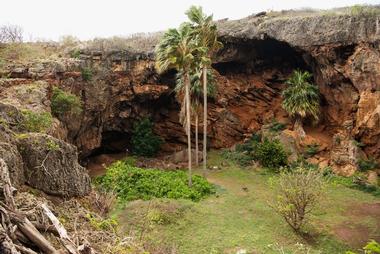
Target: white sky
86	19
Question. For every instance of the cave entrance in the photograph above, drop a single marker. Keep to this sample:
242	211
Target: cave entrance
256	56
115	145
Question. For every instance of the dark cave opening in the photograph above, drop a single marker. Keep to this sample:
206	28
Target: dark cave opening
113	142
256	56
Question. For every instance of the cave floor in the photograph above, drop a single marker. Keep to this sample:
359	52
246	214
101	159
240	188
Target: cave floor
238	217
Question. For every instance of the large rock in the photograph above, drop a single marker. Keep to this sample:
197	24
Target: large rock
51	165
344	155
11	156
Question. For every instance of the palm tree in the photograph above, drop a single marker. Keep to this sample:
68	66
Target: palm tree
196	94
206	33
176	51
301	99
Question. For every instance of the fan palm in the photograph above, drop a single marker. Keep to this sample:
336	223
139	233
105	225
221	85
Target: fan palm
301	99
176	50
207	38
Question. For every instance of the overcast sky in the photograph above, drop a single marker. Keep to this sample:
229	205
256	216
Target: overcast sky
86	19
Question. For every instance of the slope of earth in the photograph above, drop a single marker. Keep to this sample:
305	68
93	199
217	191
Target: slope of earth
239	218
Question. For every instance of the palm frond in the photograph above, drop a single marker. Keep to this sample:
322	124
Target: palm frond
301	98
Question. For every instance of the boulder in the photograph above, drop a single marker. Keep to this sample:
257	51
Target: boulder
344	155
51	165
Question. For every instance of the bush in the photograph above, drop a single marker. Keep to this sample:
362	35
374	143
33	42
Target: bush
144	141
276	126
311	150
243	159
86	74
35	121
298	192
63	102
271	154
365	165
131	183
372	247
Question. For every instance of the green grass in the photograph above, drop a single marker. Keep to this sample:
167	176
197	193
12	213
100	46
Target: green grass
238	217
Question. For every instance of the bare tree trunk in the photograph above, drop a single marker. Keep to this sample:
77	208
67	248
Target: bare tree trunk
196	140
188	123
204	75
298	127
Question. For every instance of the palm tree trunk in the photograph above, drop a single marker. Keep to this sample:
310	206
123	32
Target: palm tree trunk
196	140
204	75
298	128
188	123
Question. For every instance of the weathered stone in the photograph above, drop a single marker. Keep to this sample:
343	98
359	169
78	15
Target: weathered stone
51	165
344	155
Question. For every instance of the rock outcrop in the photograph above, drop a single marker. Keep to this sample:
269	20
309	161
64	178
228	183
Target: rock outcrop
51	165
260	52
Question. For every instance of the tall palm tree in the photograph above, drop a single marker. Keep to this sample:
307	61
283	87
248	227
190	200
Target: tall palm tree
207	38
196	94
176	50
301	99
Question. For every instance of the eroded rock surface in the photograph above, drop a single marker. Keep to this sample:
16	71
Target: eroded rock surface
51	165
342	52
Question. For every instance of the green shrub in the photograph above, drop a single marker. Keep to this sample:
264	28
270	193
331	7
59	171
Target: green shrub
131	183
271	154
302	162
86	74
358	144
311	150
276	126
144	141
364	10
63	102
365	165
243	159
35	121
372	247
75	54
357	181
102	224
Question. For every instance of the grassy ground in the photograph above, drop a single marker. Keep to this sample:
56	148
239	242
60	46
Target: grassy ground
238	217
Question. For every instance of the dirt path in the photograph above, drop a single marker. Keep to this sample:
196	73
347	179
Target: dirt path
358	234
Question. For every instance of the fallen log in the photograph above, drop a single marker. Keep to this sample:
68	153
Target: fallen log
8	211
66	241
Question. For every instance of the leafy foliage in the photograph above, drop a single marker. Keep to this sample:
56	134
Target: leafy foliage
86	74
372	247
301	98
357	181
298	192
63	102
144	141
271	154
311	150
176	49
131	183
243	159
365	165
36	121
102	224
276	126
196	89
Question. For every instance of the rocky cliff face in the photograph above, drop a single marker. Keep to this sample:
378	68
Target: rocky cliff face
342	52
